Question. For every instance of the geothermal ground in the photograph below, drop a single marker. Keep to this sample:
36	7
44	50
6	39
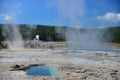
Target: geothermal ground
73	64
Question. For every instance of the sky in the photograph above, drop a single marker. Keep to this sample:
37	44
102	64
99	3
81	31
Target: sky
76	13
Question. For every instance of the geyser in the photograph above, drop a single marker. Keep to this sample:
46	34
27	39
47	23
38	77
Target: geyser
71	12
12	36
84	38
11	29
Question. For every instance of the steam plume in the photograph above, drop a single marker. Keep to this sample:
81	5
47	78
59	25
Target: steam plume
71	11
11	32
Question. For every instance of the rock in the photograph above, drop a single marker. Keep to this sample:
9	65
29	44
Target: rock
101	54
68	73
91	73
57	78
16	66
82	76
113	73
80	71
37	65
115	70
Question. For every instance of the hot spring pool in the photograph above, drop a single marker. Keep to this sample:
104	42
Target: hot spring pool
42	71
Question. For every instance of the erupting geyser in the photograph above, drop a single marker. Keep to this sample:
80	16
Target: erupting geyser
80	36
13	37
11	32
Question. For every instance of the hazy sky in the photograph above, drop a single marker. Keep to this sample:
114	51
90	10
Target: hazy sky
80	13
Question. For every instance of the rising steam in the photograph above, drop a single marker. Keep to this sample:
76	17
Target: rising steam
11	29
71	11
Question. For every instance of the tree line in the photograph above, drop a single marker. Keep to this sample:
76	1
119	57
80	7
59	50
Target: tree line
28	32
49	33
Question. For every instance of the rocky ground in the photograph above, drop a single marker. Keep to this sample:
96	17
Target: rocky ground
73	64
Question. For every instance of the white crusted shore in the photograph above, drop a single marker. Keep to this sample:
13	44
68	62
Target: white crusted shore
74	65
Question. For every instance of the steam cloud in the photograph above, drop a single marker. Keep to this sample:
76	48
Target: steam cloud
11	32
68	10
71	11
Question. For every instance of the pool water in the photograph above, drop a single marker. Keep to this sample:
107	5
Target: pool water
42	71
